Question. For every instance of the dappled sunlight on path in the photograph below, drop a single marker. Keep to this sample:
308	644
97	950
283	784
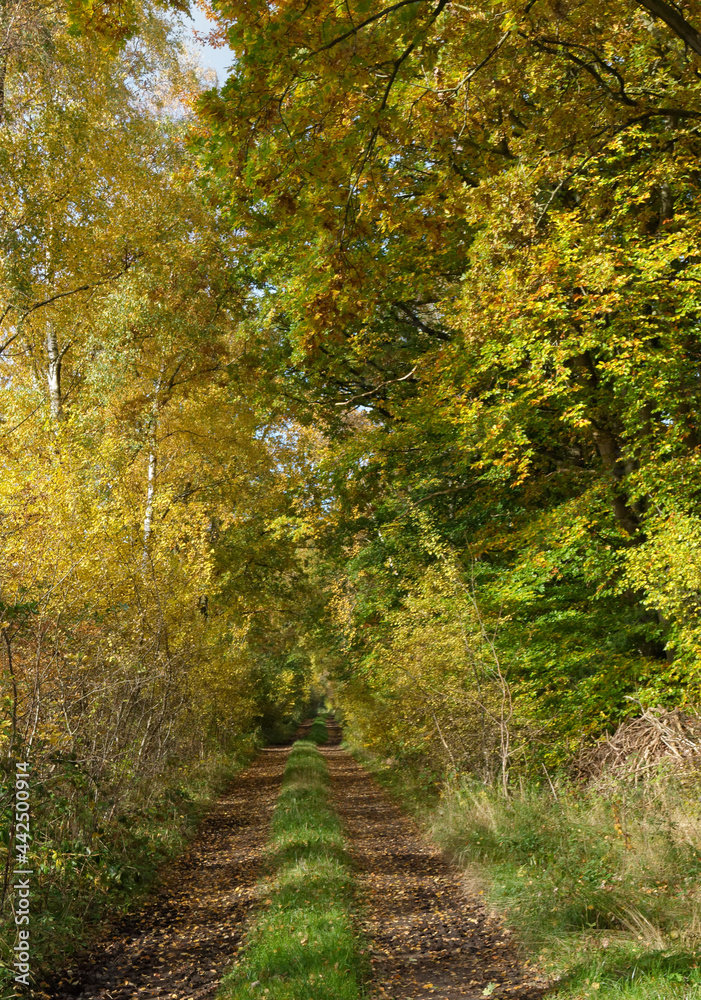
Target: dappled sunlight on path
428	936
188	931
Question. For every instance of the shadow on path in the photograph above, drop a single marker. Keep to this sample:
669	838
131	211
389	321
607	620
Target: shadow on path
188	930
428	936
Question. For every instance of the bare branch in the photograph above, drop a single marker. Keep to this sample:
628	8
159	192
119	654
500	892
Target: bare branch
372	392
9	340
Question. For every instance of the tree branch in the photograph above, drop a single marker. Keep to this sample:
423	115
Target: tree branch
419	324
71	291
363	395
363	24
674	20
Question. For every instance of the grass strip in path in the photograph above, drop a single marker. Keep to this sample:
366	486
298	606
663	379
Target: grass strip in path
318	733
303	944
179	941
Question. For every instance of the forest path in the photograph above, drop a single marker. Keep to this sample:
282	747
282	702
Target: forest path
180	942
428	936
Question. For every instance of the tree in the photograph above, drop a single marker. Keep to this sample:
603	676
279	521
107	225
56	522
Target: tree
477	228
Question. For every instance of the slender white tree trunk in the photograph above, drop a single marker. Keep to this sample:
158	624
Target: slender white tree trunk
53	372
150	494
151	475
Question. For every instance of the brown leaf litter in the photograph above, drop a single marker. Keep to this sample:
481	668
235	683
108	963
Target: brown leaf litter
429	936
188	931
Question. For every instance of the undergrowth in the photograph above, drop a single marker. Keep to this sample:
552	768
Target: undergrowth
602	884
81	876
302	945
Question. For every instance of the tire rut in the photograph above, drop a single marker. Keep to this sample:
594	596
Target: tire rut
428	936
178	944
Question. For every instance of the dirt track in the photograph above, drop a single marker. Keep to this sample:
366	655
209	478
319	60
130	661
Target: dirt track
428	938
179	944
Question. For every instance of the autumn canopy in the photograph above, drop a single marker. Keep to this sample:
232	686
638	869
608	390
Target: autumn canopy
373	374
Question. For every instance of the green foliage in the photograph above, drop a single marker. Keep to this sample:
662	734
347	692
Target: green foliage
592	860
380	376
112	22
303	944
143	595
635	973
470	242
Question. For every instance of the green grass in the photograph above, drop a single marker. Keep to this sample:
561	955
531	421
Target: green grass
603	886
625	970
303	945
319	733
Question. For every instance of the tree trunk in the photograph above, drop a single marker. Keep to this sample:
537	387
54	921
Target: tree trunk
150	494
53	372
609	451
3	75
151	474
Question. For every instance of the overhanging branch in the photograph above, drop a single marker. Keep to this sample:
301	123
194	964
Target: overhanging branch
674	20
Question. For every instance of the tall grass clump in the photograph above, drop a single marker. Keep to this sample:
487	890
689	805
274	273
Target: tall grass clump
604	881
302	945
